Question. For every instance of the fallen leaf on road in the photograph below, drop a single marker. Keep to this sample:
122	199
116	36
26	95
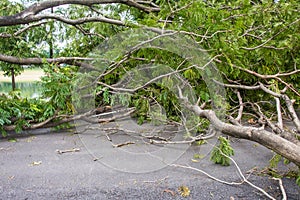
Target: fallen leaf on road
184	191
198	156
12	140
35	163
194	160
30	139
255	145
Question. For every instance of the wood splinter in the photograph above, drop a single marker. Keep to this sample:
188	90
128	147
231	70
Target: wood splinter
67	150
123	144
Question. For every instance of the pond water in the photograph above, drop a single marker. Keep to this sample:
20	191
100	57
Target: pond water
28	89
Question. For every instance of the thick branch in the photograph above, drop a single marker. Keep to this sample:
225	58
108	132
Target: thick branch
30	14
80	20
272	141
38	61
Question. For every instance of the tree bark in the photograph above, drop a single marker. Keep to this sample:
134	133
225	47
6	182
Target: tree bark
38	61
13	82
287	149
30	14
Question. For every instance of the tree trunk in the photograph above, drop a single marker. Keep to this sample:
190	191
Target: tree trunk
13	82
51	38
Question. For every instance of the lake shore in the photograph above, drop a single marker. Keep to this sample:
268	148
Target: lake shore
28	75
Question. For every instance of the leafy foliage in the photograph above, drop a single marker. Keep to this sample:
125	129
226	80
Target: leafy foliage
220	154
56	99
298	180
24	45
57	88
273	164
19	111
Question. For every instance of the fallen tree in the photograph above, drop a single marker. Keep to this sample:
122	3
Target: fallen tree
257	58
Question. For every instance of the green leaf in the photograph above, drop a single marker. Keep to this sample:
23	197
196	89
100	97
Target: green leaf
12	140
221	152
298	181
273	163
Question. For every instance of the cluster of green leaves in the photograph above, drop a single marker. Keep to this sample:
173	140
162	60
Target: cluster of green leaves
229	27
77	44
142	100
161	96
26	44
273	164
56	91
159	92
57	88
20	112
221	153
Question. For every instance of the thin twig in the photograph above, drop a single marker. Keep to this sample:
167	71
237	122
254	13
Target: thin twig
284	197
268	40
68	150
207	174
244	178
123	144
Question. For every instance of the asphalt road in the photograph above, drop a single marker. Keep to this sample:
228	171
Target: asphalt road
34	167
